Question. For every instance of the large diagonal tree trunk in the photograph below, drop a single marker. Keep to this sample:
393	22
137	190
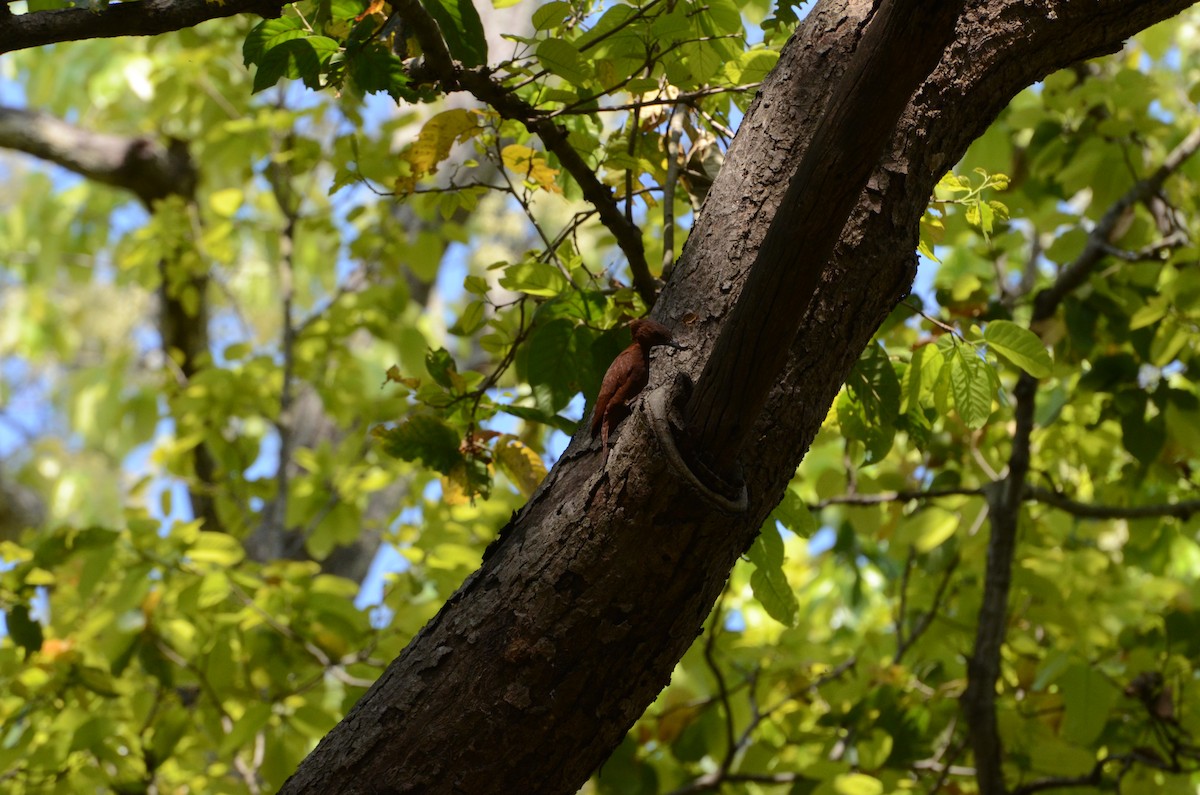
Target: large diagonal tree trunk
535	669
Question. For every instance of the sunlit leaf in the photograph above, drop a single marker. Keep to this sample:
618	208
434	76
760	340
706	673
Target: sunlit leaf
522	465
433	144
560	57
1020	346
972	387
530	166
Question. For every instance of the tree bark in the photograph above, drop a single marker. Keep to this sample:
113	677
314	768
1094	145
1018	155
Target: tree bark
534	670
109	20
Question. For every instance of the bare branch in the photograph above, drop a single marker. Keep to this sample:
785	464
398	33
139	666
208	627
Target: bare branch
905	643
884	497
722	689
1183	509
139	164
136	18
671	143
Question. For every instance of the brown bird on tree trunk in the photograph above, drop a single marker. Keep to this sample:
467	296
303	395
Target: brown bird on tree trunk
627	376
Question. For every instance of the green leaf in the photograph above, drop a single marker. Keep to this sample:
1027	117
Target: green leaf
550	351
531	414
441	368
550	15
214	587
302	58
770	587
244	728
1170	338
875	385
972	387
752	66
534	278
1019	346
857	423
793	514
423	437
768	582
461	28
470	320
169	730
927	529
25	632
268	34
767	549
219	549
374	68
476	285
857	784
560	57
1144	439
874	749
1088	697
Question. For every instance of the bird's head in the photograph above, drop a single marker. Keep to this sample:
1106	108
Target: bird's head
648	333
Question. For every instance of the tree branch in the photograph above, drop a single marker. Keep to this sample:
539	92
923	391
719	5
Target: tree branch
1183	509
1005	496
885	497
440	67
753	346
135	18
904	643
1100	239
537	667
140	165
152	172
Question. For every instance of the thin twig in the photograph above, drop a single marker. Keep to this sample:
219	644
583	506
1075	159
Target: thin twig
440	68
278	175
722	690
926	619
674	136
687	97
894	496
1184	509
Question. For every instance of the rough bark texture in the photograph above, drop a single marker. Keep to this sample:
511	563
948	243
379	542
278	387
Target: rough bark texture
898	49
534	670
136	18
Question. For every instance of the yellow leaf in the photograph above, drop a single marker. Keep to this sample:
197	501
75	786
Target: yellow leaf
226	202
14	553
433	145
39	576
531	166
454	486
522	465
857	784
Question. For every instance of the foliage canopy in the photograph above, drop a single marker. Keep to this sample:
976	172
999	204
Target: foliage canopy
403	304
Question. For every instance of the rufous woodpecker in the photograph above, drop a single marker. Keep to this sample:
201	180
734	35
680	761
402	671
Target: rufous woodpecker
627	376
